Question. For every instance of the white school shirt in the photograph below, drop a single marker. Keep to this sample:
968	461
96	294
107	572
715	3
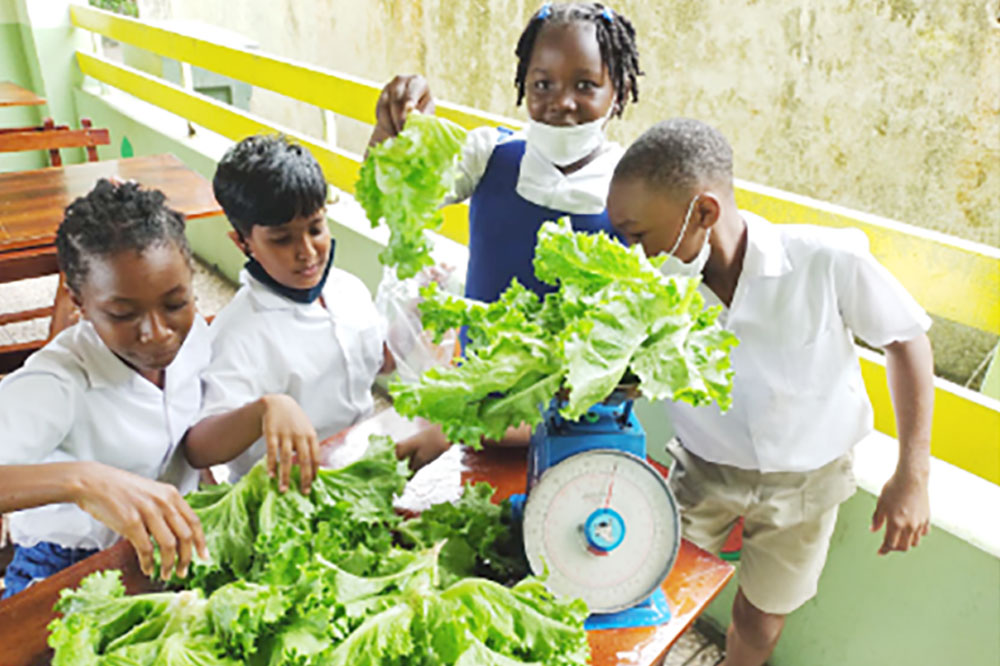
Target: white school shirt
324	358
74	400
799	401
583	192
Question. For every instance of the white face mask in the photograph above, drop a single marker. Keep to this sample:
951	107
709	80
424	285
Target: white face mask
693	268
565	145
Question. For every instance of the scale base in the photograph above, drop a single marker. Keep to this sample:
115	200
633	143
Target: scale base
649	613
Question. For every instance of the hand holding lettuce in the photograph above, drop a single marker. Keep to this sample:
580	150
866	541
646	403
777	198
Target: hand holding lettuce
404	181
332	578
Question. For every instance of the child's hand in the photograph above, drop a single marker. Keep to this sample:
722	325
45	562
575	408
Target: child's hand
904	507
423	447
405	93
286	430
139	508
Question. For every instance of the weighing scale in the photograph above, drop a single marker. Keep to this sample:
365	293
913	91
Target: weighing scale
598	520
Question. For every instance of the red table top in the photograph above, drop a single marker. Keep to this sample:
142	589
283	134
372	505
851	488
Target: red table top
697	576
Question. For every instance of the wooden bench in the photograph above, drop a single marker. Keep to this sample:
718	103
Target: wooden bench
51	137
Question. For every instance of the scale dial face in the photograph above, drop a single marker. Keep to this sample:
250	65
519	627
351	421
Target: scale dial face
568	532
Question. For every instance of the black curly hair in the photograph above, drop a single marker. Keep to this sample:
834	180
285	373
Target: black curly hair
678	155
266	180
113	217
615	37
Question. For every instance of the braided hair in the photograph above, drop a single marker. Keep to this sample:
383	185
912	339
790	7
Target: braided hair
113	217
615	37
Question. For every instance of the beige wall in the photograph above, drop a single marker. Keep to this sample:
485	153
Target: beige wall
888	106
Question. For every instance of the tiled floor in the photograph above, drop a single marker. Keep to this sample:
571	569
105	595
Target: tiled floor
212	292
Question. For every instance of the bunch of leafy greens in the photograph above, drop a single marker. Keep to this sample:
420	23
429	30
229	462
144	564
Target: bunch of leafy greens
404	181
333	578
614	317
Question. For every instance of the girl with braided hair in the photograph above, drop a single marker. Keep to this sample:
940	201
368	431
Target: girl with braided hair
577	67
91	425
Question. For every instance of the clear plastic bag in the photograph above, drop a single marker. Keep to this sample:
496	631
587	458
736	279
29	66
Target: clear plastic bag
413	348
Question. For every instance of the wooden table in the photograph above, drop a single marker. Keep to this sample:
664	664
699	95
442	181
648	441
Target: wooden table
12	94
32	204
694	581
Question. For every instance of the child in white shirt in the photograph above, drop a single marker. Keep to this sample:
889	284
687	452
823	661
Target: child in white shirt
795	296
295	353
95	417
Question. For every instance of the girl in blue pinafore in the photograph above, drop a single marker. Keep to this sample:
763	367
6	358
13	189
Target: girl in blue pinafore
577	67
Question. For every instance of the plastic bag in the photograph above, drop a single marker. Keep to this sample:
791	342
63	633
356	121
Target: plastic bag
397	303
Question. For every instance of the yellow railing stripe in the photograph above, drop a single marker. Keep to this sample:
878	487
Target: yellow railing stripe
966	428
950	277
341	93
340	166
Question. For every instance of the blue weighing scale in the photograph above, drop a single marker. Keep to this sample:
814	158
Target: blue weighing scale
597	518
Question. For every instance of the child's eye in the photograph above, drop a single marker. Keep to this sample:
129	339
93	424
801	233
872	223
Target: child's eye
281	240
586	85
122	316
174	307
316	230
541	84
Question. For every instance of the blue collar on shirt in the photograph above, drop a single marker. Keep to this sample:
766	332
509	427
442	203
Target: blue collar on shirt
305	296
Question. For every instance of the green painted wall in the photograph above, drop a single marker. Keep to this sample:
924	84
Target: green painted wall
14	67
937	605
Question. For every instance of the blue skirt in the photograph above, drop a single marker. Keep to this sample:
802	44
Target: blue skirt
39	562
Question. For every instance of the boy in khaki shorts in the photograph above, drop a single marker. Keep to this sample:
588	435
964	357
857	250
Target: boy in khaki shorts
795	295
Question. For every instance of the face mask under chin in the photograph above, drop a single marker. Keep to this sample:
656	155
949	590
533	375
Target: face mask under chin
563	146
693	268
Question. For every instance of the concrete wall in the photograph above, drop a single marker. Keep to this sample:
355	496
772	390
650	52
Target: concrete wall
888	106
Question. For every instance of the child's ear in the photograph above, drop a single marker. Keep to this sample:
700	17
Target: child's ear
74	298
708	210
239	241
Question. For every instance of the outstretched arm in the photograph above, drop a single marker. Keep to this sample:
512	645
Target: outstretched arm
277	418
133	506
903	506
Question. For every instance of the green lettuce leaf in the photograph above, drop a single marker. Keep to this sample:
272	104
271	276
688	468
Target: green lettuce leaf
614	316
403	183
334	577
480	538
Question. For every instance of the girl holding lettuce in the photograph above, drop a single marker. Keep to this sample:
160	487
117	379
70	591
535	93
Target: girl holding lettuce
577	68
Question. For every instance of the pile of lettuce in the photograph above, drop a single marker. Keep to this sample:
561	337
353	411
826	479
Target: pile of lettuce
332	578
404	181
614	318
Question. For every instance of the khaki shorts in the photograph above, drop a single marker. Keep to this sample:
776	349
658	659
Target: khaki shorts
788	521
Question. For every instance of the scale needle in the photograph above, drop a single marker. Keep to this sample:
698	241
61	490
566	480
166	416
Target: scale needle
611	486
